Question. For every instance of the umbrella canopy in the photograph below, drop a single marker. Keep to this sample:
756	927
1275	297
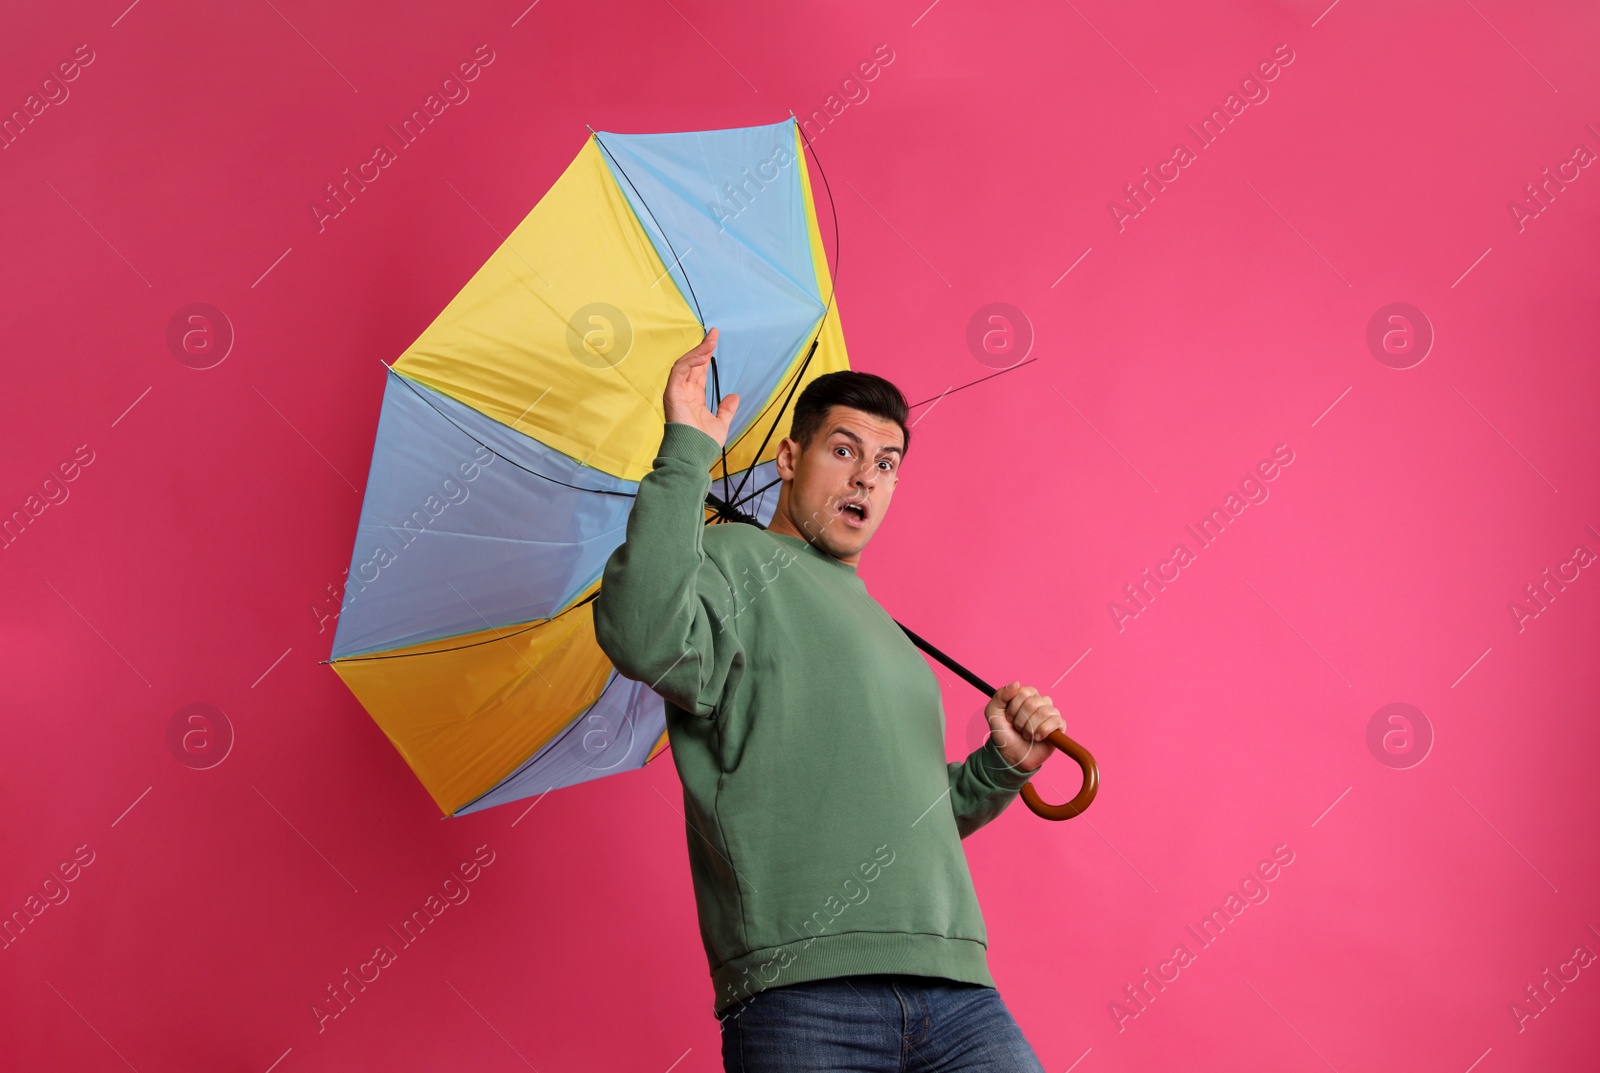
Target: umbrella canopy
515	430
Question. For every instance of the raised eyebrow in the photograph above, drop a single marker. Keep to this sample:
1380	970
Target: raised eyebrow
857	439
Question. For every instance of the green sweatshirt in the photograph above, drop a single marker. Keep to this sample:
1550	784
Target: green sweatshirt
824	824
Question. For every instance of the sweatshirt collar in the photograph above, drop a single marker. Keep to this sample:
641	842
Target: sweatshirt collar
808	548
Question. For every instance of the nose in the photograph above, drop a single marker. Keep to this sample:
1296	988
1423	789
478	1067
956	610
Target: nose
865	480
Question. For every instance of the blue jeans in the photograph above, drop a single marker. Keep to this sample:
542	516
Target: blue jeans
875	1024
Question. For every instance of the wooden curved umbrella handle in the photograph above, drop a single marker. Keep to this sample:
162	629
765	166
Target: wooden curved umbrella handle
1091	782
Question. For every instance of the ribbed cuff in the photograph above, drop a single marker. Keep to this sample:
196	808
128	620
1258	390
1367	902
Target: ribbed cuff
994	769
679	440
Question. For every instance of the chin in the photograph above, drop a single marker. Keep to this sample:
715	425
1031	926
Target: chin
844	545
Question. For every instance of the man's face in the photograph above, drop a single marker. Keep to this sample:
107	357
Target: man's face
853	462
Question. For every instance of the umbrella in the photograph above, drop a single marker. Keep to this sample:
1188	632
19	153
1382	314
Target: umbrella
515	429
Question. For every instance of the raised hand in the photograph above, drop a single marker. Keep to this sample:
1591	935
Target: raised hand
685	398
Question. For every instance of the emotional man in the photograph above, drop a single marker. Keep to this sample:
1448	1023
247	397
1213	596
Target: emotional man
824	824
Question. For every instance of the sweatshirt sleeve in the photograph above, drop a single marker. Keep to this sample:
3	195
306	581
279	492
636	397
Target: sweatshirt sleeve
663	616
981	786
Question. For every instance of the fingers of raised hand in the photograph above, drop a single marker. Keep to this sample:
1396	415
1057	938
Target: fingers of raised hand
691	370
701	354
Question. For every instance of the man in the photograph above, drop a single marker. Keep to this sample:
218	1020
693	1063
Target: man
824	824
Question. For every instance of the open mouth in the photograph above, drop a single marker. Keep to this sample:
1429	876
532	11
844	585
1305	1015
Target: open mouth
854	514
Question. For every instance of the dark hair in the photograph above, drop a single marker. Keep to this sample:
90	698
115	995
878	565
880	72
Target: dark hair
866	392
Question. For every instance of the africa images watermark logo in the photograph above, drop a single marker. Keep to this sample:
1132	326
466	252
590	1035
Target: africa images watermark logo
599	335
1253	890
341	195
53	491
854	889
199	335
1253	491
454	890
52	91
1253	90
451	492
735	199
54	889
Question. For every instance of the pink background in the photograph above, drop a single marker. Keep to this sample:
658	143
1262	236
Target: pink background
190	559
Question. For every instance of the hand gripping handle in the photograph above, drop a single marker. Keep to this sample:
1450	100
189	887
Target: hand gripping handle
1040	807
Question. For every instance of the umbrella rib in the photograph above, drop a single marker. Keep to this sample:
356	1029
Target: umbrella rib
833	289
512	461
544	749
497	454
470	644
981	379
757	493
716	383
732	497
678	261
794	383
716	390
748	431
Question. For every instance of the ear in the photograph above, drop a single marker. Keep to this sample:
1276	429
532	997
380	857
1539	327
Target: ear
788	455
